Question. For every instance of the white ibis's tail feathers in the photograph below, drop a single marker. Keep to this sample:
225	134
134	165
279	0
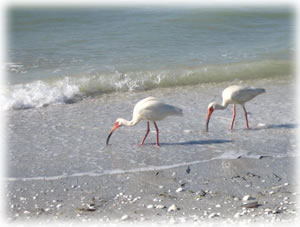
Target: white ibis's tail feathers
251	92
176	111
260	90
168	110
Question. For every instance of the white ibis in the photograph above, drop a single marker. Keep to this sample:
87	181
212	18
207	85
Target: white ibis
234	94
149	109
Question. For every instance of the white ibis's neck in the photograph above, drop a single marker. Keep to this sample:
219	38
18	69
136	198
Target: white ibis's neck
129	123
221	107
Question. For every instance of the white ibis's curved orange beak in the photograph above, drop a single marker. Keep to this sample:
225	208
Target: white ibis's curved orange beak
116	125
209	112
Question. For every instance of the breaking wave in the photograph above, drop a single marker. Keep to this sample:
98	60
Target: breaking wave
73	88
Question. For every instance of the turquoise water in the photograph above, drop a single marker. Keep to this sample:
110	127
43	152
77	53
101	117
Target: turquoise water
59	55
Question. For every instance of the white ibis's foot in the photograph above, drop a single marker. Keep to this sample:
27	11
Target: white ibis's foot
157	145
140	144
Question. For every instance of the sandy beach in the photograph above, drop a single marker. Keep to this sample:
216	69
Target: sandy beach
59	168
213	191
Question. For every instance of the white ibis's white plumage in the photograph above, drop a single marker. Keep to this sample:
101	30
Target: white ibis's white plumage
149	109
235	94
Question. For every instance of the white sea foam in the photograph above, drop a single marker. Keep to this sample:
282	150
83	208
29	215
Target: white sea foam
38	94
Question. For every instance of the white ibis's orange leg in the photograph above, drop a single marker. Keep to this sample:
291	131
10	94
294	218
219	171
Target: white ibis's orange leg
147	132
157	134
247	126
233	116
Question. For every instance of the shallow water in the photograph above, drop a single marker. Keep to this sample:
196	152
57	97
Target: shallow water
69	139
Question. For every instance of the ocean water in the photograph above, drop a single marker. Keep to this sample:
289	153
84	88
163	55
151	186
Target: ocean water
65	55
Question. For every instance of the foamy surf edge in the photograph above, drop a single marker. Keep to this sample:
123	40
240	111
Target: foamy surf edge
71	89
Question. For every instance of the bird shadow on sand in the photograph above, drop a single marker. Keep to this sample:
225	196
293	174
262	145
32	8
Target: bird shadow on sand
282	126
198	142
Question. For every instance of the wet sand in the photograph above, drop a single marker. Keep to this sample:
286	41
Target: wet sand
59	168
211	191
